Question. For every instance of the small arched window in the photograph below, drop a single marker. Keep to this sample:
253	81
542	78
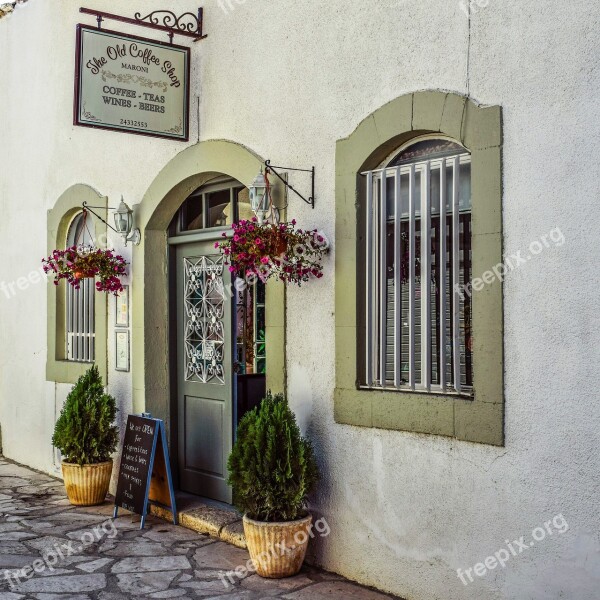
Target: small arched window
417	236
80	304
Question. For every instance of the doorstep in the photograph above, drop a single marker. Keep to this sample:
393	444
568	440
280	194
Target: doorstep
206	516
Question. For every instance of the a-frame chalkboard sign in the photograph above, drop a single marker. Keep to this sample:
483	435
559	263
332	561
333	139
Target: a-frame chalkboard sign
145	471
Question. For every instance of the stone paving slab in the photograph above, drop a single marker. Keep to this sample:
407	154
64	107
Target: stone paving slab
50	550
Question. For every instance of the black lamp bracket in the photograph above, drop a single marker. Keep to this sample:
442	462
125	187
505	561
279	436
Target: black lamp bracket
88	208
269	168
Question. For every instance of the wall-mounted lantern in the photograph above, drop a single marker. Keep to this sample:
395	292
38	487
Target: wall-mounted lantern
260	200
124	224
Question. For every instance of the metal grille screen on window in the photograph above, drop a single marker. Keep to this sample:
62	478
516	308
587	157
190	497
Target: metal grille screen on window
80	302
417	317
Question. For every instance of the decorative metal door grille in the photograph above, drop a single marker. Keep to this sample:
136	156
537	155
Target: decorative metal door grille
204	336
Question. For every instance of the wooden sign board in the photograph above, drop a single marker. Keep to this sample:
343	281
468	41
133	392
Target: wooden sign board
128	83
145	472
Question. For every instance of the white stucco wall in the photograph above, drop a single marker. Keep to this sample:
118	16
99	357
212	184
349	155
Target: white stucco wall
287	79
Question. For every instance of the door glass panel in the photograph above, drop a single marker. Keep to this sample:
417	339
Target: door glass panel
204	310
218	208
192	214
251	328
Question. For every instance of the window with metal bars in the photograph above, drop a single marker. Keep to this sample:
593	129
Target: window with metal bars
80	302
417	254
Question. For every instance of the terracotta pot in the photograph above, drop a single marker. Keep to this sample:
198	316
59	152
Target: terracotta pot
277	549
281	246
82	275
87	485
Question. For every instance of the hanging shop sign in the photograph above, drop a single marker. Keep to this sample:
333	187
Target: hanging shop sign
128	83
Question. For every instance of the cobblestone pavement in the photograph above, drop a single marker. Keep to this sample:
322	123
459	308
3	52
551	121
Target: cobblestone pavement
89	556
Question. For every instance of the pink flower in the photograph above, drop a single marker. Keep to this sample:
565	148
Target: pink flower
264	260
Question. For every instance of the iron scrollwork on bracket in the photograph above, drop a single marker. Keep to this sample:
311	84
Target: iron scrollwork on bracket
187	22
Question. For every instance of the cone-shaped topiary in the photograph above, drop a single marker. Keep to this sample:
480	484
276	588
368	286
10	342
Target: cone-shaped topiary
85	432
272	467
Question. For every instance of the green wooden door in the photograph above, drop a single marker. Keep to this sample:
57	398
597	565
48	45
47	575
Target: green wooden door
205	374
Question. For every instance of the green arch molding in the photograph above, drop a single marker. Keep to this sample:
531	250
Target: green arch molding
59	369
187	171
479	129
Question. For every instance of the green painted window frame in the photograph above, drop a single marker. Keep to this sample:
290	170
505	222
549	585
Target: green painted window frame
478	128
58	368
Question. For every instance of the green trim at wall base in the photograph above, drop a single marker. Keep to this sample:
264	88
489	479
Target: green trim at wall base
479	129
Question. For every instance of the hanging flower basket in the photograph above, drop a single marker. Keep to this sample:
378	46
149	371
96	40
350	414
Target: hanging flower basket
77	263
274	251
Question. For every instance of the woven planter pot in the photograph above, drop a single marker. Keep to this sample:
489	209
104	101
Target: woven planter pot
277	549
87	485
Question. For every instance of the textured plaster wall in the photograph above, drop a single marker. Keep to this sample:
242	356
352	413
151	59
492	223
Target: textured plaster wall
288	79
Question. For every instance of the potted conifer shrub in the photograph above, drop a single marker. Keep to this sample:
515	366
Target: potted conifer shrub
86	436
272	470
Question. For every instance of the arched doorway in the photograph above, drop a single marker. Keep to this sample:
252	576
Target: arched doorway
216	320
188	206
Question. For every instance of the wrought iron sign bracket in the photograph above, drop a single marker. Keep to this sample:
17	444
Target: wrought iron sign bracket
187	24
269	168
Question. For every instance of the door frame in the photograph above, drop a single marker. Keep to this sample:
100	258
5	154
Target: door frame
151	351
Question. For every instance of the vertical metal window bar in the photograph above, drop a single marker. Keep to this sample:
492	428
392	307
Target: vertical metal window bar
70	291
456	272
398	281
86	320
425	278
92	330
383	278
411	276
442	276
80	313
369	281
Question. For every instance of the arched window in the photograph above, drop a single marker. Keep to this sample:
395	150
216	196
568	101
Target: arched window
80	304
417	235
